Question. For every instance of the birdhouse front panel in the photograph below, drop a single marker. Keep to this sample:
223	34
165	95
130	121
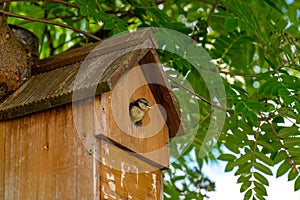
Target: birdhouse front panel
149	138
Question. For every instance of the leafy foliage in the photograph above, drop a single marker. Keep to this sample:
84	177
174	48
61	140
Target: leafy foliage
255	45
185	181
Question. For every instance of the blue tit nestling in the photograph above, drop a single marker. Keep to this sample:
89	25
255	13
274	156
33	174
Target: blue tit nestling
137	110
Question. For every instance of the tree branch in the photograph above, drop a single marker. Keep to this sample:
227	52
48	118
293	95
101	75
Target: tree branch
199	96
215	70
212	11
285	149
50	22
237	74
55	1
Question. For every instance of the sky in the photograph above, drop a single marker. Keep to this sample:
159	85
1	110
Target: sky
227	188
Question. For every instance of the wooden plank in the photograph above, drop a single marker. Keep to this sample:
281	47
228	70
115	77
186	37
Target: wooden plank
123	176
65	58
45	158
46	130
10	177
97	49
88	167
38	144
59	153
7	159
31	173
72	157
20	158
2	159
26	162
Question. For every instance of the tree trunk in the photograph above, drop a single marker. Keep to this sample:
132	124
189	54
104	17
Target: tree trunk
14	67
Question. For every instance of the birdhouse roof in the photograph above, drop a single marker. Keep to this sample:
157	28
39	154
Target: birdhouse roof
53	79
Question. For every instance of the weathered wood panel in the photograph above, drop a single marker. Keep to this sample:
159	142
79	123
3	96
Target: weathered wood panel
89	186
124	176
2	159
45	158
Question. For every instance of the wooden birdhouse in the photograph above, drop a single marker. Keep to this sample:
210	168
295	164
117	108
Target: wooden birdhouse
67	133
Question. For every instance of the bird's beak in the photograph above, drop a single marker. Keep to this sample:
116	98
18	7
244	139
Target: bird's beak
149	107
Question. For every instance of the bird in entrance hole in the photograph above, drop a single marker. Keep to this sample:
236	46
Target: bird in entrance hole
137	110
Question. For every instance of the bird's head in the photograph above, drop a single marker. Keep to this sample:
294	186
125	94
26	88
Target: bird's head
143	104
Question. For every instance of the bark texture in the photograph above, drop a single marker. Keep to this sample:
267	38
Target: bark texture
14	61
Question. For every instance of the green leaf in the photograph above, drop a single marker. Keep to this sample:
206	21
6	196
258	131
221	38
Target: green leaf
283	92
230	24
297	106
275	88
244	169
297	184
264	75
283	168
265	145
259	177
248	194
253	117
267	86
244	114
272	62
287	131
246	184
262	157
263	168
242	24
244	177
239	107
229	167
260	188
288	100
280	157
295	152
232	147
243	159
255	105
291	141
278	119
178	178
227	157
83	11
273	5
290	81
292	175
268	107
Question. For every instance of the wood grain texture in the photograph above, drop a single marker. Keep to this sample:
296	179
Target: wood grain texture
53	155
151	140
65	58
2	159
113	44
123	176
44	158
